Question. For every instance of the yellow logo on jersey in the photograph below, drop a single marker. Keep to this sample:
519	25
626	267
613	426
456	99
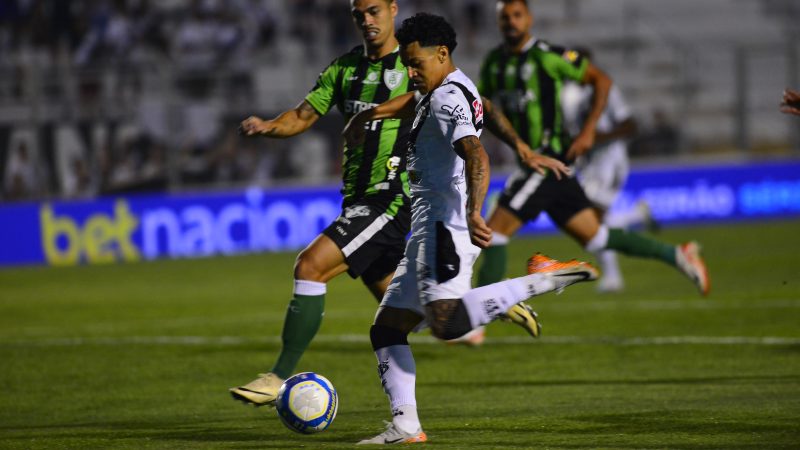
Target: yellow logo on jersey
571	55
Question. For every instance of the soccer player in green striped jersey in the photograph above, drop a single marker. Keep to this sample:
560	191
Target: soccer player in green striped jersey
368	239
525	75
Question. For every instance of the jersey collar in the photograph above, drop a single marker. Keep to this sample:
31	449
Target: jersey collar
396	49
530	43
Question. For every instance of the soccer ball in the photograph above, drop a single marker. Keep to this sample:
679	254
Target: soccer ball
307	403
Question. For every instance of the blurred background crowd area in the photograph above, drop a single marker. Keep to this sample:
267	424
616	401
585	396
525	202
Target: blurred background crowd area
104	97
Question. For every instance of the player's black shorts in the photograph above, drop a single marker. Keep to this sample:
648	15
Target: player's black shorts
372	239
528	193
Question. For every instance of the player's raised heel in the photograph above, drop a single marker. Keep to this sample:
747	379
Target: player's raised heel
523	315
689	261
259	392
394	435
562	273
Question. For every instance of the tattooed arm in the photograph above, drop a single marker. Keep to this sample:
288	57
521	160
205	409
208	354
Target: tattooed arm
287	124
477	172
501	127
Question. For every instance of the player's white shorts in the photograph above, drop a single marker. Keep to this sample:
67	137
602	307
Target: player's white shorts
603	173
437	266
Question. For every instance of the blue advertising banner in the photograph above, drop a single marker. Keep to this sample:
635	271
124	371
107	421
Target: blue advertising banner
257	220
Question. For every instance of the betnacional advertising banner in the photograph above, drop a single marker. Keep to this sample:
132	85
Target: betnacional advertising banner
135	228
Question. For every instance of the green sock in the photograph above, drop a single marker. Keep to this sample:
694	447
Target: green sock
303	318
635	244
493	269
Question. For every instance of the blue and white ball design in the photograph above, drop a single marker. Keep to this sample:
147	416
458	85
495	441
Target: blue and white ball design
307	403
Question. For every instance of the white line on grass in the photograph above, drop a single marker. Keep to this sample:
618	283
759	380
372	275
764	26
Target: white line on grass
363	339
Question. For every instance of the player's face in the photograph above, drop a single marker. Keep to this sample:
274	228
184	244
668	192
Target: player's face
514	20
426	65
374	19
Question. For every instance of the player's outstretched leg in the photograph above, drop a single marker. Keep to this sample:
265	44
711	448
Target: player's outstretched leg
523	315
302	321
501	300
685	257
259	392
563	273
689	261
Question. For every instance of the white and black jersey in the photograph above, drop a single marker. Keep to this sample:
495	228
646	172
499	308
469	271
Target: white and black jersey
439	255
448	113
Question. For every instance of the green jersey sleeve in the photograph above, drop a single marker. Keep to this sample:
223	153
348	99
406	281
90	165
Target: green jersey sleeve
323	95
568	64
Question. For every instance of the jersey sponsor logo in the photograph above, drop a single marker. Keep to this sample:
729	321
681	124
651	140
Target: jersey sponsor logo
341	231
356	106
457	114
393	164
477	106
356	211
392	78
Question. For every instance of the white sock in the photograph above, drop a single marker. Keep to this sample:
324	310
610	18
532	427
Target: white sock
609	266
398	374
598	241
487	303
626	219
305	287
498	239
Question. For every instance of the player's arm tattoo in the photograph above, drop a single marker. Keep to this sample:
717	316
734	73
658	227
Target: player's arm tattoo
291	122
477	170
499	124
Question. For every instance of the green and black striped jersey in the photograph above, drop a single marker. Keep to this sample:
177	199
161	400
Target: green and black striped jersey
527	86
353	83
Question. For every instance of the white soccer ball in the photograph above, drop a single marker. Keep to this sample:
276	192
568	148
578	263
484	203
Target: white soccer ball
307	403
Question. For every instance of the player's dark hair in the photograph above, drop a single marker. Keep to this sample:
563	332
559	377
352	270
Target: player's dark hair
428	30
525	2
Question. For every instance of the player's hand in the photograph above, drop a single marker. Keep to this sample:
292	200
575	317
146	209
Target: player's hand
251	126
542	163
354	132
479	233
581	145
791	102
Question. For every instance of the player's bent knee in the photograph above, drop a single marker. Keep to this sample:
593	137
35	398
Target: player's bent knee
452	325
305	268
382	336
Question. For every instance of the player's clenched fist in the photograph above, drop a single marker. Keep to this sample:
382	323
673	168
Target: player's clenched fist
251	126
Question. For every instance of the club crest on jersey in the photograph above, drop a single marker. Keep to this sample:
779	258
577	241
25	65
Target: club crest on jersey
527	70
356	211
392	78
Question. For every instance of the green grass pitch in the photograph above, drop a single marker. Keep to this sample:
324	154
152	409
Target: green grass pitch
141	356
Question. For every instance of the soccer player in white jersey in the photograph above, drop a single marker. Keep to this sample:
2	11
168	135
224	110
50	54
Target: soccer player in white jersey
603	170
448	176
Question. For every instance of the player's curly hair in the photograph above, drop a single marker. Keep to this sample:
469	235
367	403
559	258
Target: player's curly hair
428	30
